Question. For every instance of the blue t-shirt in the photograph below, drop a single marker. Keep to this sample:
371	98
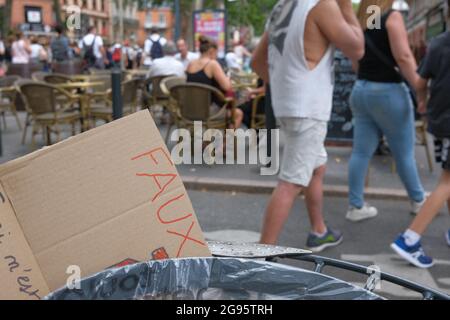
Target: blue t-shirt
436	67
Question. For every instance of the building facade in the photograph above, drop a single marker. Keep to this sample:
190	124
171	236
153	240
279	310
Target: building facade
426	20
31	15
93	13
38	16
160	18
130	22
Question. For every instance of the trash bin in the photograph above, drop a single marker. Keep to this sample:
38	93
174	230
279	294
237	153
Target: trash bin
212	279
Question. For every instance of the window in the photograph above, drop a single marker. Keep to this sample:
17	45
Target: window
162	19
33	15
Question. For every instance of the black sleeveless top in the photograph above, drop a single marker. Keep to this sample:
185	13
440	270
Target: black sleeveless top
202	77
371	67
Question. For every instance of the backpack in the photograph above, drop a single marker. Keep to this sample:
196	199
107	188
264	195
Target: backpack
88	54
156	51
117	54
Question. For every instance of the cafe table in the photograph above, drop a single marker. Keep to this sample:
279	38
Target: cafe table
138	73
84	97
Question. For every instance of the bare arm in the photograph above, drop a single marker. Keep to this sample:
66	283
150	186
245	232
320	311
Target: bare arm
257	91
355	66
260	59
338	23
220	76
398	38
43	55
422	94
27	46
246	52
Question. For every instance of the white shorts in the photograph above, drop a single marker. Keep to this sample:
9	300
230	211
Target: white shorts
304	149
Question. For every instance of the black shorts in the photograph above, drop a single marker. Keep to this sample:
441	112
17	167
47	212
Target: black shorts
442	150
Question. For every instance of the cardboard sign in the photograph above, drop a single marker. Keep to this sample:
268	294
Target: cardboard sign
20	275
108	197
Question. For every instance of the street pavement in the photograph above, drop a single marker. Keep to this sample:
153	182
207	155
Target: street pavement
383	178
231	216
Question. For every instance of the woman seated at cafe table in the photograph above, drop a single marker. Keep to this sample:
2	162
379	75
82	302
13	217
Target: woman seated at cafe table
207	70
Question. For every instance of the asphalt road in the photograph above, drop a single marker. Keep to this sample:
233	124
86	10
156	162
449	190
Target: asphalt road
238	217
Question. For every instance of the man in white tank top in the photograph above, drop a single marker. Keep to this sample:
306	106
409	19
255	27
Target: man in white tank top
296	55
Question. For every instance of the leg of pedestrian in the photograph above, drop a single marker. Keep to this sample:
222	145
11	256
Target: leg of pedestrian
321	236
367	137
397	123
433	205
408	245
314	201
278	210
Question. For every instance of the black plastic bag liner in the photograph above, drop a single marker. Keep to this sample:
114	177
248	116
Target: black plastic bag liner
212	279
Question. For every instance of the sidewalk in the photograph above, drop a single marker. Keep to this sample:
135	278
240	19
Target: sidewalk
383	184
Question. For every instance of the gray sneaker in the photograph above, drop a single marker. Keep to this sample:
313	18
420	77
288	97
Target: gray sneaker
366	212
417	206
331	239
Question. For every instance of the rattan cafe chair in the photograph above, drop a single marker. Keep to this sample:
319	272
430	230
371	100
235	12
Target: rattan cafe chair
46	111
129	101
192	102
8	95
166	85
39	76
258	120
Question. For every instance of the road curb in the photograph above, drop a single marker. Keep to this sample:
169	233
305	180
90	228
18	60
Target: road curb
253	186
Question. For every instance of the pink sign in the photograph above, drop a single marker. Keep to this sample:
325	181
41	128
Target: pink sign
212	24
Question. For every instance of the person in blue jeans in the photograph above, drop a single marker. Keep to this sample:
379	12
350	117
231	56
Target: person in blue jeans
382	105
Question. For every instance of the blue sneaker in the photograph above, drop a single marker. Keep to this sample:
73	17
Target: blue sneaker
331	239
413	254
447	237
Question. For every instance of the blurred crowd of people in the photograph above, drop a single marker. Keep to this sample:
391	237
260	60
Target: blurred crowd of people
160	56
20	49
97	52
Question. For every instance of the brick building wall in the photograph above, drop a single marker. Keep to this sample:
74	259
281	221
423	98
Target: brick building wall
161	18
18	12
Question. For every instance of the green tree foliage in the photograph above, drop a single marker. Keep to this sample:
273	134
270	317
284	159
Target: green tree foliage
249	13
